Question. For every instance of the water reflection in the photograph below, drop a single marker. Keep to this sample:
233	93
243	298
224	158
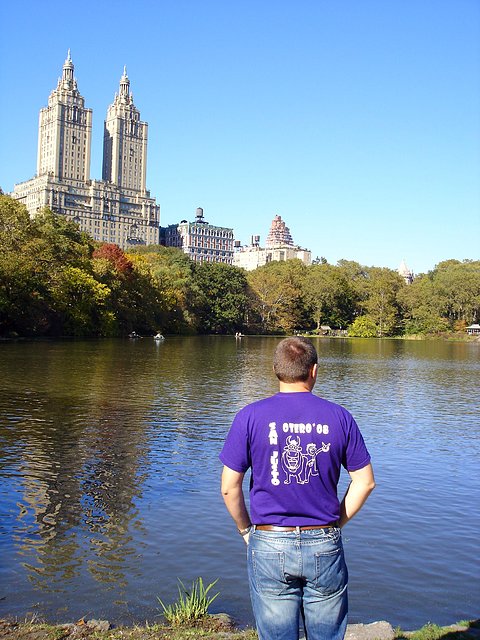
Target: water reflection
78	456
109	472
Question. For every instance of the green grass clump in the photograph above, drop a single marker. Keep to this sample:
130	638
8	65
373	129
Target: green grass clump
428	632
192	605
432	631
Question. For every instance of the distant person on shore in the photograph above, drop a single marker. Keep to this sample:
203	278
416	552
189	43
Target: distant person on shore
295	444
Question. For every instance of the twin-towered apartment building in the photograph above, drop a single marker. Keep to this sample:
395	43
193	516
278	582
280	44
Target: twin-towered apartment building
118	208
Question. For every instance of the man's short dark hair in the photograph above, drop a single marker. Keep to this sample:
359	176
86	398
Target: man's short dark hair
293	359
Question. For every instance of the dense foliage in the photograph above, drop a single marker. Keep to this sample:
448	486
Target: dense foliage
55	280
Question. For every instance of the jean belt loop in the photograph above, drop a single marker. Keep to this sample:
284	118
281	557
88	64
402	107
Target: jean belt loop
297	530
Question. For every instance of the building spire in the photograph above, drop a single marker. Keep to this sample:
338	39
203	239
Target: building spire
124	86
67	72
405	272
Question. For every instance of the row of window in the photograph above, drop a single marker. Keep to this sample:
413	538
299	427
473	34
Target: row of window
198	258
211	232
209	252
213	245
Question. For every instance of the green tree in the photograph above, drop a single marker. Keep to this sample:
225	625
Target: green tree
57	241
382	286
218	297
420	307
22	289
329	295
277	297
80	301
363	327
357	277
15	224
54	245
171	270
437	301
457	289
145	301
34	254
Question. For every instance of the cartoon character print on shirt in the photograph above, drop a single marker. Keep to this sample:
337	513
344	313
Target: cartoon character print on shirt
311	468
298	465
293	461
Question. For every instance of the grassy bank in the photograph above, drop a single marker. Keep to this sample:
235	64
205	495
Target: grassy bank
212	628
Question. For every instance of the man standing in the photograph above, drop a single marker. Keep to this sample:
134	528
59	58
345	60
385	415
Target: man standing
295	444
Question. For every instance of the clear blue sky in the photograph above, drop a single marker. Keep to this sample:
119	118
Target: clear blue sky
357	121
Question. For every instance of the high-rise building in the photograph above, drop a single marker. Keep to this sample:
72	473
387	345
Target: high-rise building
125	141
279	247
65	131
117	208
201	241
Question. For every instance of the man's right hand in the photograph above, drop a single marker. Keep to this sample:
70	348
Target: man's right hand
361	486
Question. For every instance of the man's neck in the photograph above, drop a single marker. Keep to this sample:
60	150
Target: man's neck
295	387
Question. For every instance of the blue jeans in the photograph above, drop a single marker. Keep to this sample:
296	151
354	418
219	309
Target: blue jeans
298	575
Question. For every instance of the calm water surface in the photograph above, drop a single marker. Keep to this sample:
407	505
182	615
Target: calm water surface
109	474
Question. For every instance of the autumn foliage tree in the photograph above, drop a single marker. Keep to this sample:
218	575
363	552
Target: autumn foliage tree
115	257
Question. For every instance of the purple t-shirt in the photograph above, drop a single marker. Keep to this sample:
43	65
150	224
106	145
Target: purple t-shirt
295	444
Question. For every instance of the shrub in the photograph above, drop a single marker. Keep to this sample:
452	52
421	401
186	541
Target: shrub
363	327
192	605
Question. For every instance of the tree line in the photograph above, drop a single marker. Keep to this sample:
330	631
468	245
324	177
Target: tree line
57	281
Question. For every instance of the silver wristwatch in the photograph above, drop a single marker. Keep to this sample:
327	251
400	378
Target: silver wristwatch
243	532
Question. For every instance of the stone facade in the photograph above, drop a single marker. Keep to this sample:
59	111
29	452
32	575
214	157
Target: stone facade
250	257
125	142
279	234
117	209
201	241
65	131
279	247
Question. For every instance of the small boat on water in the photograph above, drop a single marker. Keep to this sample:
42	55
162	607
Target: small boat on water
158	336
134	334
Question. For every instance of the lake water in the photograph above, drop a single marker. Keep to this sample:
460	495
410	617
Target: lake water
109	474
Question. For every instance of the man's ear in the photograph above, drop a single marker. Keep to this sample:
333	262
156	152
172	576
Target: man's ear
314	371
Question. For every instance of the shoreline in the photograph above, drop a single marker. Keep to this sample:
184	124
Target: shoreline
466	339
216	627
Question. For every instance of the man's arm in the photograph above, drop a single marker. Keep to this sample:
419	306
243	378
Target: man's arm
361	486
232	493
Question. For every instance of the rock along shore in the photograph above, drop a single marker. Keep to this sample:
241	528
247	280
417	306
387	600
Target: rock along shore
221	627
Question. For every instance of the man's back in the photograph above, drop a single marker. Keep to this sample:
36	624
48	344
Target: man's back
295	444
